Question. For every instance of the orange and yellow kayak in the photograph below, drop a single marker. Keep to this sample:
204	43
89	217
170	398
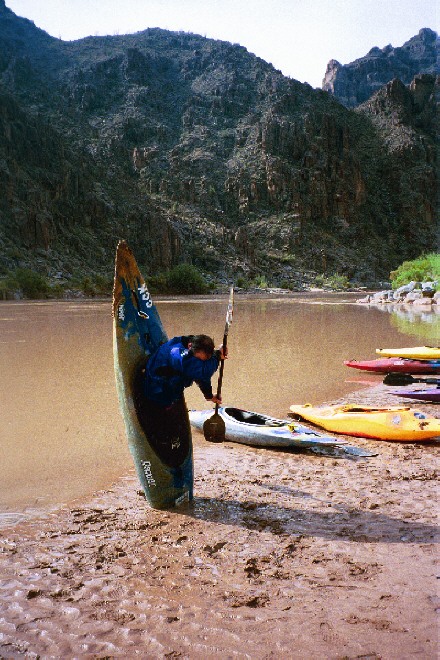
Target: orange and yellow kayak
402	424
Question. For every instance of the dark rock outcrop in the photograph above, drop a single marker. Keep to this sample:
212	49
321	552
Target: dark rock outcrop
54	209
354	83
407	119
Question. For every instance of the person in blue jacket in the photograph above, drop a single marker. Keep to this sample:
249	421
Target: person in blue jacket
179	363
159	389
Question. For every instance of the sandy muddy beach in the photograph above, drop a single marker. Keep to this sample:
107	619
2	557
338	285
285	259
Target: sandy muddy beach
282	554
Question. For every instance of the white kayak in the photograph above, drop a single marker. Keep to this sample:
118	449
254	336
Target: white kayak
257	430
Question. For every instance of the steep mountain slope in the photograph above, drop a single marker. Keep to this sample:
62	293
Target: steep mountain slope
195	150
407	118
354	83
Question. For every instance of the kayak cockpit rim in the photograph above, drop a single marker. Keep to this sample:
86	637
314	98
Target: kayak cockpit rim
252	418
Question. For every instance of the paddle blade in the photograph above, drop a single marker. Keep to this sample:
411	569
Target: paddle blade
214	429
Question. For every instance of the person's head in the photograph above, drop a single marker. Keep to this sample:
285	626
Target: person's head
201	346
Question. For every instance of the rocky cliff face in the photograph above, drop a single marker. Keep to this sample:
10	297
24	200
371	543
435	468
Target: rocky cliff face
407	119
54	210
194	150
354	83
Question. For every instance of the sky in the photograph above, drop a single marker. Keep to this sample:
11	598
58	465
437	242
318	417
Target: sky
298	37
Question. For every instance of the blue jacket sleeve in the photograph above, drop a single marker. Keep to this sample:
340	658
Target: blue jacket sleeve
201	371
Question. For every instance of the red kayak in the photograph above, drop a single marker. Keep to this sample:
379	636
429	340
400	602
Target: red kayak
397	365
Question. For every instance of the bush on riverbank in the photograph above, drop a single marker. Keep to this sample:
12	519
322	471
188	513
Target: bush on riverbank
26	283
335	282
185	278
99	286
181	279
423	269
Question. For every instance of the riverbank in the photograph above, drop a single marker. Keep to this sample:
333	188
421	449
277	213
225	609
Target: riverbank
281	554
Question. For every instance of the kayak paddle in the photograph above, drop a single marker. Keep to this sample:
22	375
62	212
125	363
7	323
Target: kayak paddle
214	427
406	379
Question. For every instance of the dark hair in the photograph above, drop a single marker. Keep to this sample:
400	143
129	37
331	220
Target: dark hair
202	343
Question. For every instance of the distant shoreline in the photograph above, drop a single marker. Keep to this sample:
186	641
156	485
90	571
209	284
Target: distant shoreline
258	294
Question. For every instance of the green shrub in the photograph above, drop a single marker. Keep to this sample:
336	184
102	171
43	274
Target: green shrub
242	282
335	281
260	282
338	281
88	287
157	283
185	278
32	284
422	269
103	285
56	291
97	285
4	289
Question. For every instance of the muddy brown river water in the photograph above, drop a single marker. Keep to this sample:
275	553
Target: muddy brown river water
62	436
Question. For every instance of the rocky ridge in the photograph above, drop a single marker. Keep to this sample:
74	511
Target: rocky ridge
354	83
195	150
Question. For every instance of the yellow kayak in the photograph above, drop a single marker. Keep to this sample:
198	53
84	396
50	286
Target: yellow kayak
398	423
416	353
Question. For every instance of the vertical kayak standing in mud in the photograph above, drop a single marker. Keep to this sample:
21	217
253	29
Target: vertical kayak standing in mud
159	439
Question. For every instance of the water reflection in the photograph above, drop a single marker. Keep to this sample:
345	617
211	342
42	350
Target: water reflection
410	319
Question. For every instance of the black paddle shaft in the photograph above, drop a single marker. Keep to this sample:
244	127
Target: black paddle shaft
214	427
220	376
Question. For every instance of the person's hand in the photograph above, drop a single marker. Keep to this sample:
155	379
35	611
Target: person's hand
223	352
216	399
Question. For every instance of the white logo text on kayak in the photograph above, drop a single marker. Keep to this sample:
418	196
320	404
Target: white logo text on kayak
146	466
145	295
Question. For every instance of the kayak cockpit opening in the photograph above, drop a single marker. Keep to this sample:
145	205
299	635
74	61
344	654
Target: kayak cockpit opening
251	418
167	430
